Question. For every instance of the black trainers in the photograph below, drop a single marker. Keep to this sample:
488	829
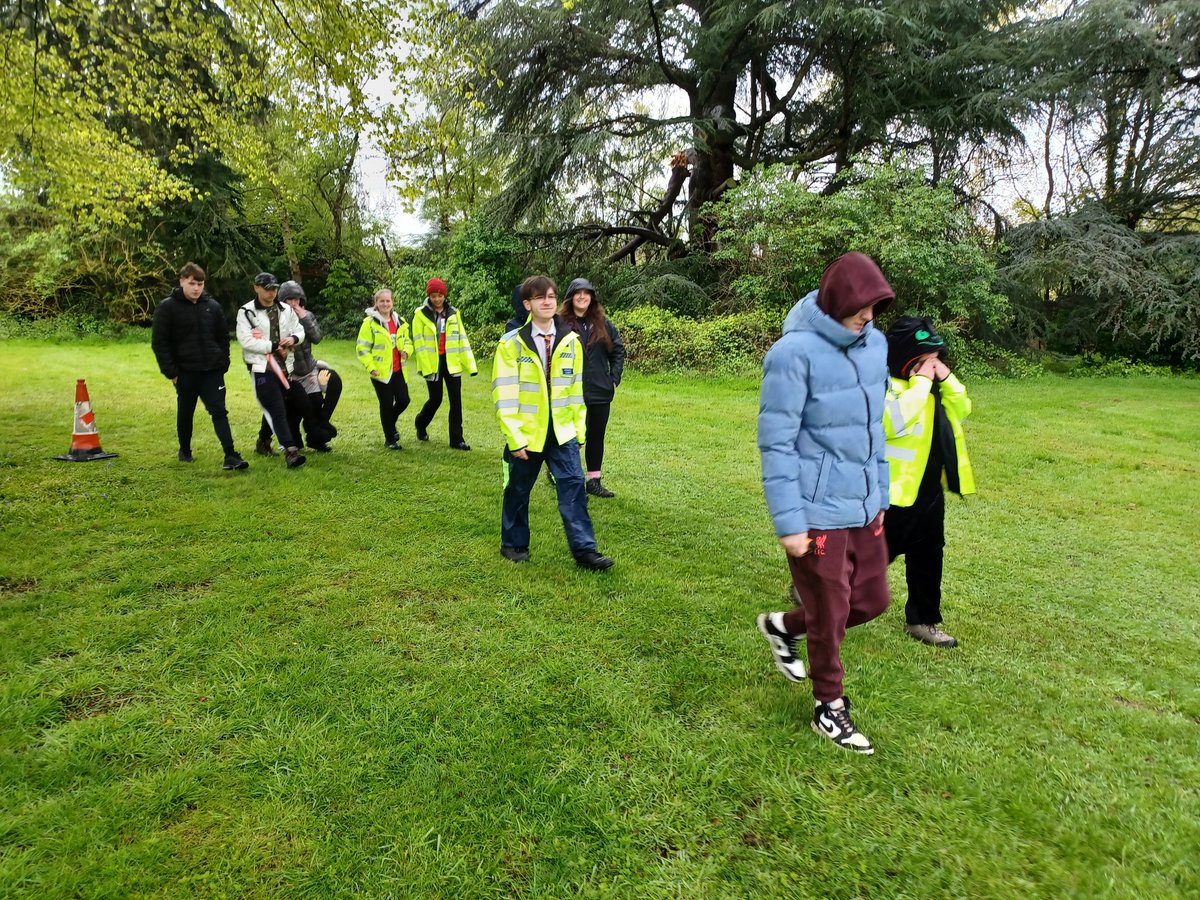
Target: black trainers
597	489
422	434
836	725
264	448
460	445
185	456
593	560
392	445
295	459
321	448
783	646
515	554
234	461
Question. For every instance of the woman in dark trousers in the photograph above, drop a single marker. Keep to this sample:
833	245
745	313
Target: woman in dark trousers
384	343
603	362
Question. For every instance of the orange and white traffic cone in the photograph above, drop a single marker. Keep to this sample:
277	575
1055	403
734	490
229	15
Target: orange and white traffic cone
85	442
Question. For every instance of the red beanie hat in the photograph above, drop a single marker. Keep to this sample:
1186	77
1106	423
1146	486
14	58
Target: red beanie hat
435	286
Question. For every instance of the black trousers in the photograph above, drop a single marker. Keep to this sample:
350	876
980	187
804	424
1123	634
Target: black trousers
272	396
313	411
453	385
316	411
393	400
597	424
918	532
210	388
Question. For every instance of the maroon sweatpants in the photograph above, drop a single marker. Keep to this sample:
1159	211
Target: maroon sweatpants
842	581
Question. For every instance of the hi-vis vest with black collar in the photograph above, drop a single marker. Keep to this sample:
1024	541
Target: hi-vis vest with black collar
459	357
526	396
908	428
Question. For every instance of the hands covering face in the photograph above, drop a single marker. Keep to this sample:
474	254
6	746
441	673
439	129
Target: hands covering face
933	369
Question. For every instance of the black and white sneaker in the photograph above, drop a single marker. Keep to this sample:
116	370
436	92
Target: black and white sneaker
832	720
783	646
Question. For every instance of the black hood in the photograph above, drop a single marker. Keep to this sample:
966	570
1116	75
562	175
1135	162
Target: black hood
579	284
909	338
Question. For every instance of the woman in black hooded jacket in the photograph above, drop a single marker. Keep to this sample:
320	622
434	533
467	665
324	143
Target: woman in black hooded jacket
603	362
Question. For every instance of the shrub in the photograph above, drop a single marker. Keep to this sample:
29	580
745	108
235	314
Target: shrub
659	341
67	328
778	235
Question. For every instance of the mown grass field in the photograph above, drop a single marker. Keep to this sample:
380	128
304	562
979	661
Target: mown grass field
327	682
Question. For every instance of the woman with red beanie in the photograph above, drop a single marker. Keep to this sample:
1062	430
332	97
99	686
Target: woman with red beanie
442	353
825	476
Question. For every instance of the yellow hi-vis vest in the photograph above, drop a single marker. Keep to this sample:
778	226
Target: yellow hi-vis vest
459	357
908	426
526	399
375	345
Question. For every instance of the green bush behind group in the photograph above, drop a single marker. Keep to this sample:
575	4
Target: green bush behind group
1010	304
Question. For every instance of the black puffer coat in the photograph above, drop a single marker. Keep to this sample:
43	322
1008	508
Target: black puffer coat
602	367
189	337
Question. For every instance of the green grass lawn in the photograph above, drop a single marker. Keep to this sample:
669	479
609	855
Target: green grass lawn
328	683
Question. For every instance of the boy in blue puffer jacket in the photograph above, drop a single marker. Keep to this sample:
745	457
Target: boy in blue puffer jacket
825	476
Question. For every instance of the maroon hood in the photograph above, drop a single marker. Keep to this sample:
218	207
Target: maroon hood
849	284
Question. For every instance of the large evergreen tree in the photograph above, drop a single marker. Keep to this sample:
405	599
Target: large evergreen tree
739	83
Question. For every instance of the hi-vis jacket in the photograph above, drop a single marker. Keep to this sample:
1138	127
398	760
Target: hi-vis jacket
526	398
375	344
252	316
908	426
459	357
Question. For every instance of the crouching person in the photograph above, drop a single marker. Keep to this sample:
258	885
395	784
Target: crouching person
309	401
537	386
268	331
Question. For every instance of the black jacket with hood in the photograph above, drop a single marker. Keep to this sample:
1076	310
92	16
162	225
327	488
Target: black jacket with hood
602	367
189	337
520	313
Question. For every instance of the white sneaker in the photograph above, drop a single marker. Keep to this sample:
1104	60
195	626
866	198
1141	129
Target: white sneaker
835	724
783	646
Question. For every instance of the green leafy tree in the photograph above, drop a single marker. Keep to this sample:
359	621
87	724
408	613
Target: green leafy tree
778	234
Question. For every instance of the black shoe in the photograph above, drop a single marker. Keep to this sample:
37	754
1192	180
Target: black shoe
783	646
515	554
459	445
422	434
392	445
835	724
597	489
264	448
593	560
321	448
185	456
234	461
295	459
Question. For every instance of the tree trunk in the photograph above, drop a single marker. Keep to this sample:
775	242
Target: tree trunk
715	132
289	234
345	176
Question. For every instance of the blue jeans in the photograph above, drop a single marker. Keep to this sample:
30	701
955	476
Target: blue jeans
563	462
